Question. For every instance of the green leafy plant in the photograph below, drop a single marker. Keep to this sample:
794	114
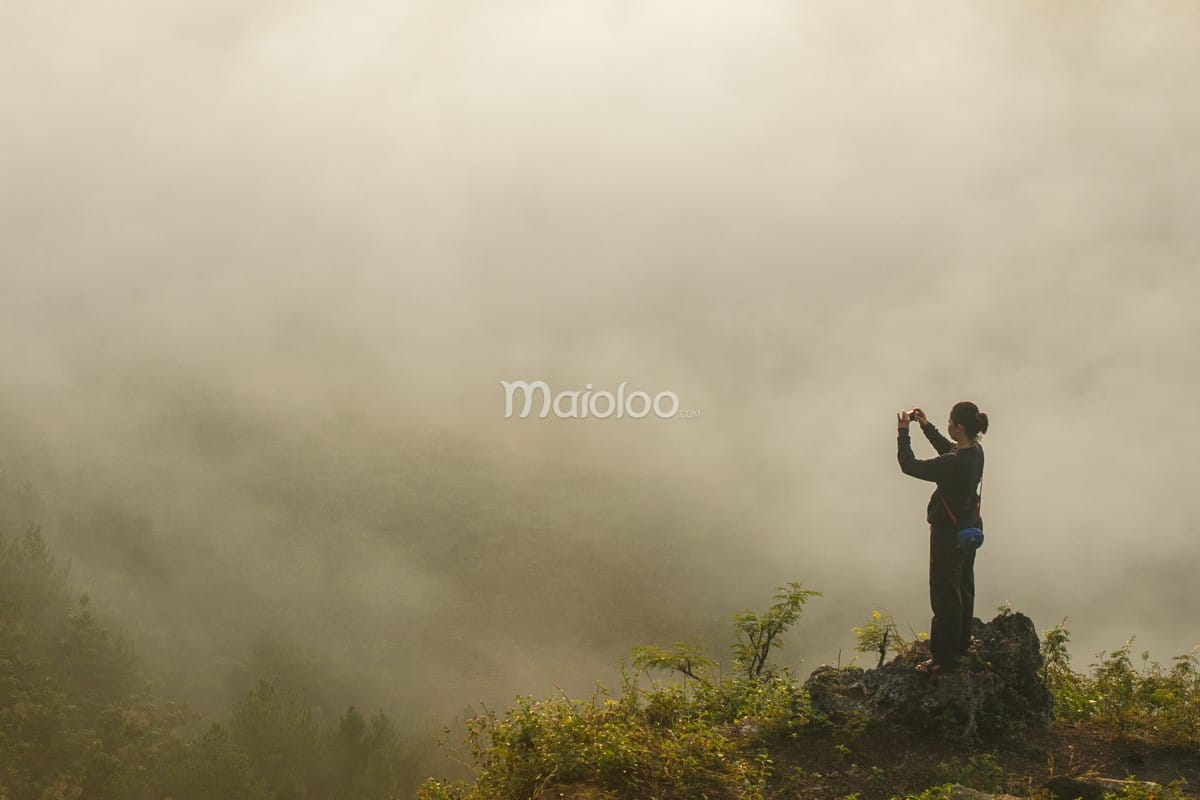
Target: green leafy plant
607	744
1157	703
879	635
686	659
1071	690
759	633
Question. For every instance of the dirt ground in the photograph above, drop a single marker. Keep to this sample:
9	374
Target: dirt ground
878	766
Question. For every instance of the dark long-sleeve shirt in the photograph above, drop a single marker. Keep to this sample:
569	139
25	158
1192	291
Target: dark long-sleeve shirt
957	472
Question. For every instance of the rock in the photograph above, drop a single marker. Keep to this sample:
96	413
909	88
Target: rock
1092	788
960	792
995	690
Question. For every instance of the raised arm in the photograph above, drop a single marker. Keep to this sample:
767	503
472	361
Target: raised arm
930	469
939	442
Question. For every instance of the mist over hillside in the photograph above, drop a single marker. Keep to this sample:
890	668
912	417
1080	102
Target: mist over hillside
265	267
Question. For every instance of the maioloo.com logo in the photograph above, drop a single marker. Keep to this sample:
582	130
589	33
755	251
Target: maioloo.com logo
601	404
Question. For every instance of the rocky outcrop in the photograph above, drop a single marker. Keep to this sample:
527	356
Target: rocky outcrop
995	690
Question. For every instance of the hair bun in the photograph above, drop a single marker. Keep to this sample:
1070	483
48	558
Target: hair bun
983	422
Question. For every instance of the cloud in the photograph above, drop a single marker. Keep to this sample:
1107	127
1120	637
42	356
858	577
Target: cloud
265	265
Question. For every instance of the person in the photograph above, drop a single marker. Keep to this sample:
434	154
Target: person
957	470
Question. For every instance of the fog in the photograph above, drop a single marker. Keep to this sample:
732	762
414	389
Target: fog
265	265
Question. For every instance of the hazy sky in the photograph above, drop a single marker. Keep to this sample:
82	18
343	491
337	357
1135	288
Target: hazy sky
264	265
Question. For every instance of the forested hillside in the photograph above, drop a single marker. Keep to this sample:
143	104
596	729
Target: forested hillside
78	719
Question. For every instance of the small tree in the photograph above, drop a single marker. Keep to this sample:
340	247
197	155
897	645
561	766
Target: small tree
757	634
878	635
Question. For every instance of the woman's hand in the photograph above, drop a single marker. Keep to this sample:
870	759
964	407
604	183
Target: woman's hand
902	420
919	416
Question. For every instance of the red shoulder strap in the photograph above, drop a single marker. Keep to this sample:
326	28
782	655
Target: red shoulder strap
946	506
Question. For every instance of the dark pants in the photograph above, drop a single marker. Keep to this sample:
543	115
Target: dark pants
952	595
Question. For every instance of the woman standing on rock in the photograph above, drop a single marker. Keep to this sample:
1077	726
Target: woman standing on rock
954	505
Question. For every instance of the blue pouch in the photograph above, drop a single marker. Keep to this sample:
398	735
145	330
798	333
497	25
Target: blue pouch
970	539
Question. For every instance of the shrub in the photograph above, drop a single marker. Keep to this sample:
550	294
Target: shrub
1154	702
703	737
